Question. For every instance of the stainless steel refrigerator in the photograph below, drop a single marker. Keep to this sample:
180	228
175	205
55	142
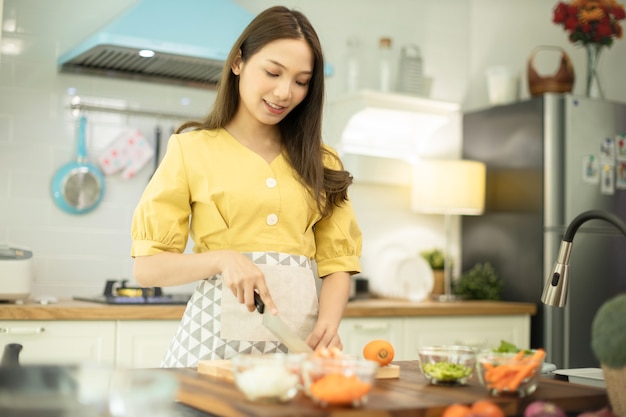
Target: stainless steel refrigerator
549	159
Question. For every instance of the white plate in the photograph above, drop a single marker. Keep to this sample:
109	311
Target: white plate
399	273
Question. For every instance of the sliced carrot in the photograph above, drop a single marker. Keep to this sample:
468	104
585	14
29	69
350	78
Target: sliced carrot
338	389
509	376
518	356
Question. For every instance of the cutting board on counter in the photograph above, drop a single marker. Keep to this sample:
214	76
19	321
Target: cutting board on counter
408	395
222	369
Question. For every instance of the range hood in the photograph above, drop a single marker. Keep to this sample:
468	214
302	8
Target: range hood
190	40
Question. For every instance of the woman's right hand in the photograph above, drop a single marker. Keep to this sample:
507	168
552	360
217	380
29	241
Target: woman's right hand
244	278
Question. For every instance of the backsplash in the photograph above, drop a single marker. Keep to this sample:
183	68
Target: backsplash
75	254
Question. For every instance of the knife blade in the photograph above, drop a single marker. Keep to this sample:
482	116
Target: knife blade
280	329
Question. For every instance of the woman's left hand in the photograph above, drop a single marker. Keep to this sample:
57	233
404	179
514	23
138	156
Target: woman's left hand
324	336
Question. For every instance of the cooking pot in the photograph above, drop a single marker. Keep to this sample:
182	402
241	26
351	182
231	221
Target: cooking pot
49	390
16	272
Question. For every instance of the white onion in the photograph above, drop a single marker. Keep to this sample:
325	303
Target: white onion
267	382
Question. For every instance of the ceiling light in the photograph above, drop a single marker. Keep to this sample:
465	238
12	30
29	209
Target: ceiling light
146	53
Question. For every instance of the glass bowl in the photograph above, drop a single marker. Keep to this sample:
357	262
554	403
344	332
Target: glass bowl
272	377
510	373
447	365
343	381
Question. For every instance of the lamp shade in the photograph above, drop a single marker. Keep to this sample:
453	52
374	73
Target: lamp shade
448	187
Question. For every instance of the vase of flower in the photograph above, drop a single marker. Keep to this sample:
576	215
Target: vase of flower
593	24
593	88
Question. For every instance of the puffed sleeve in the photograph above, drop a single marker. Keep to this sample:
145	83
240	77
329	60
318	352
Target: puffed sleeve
338	237
161	218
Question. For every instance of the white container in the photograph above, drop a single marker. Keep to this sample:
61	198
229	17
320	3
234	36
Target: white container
16	273
384	65
502	85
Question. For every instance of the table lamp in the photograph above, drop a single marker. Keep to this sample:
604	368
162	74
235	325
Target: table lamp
448	187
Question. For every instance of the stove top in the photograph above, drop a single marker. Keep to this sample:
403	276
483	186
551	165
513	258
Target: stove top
117	292
171	299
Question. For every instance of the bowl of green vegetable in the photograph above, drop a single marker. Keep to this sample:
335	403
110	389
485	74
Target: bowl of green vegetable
447	365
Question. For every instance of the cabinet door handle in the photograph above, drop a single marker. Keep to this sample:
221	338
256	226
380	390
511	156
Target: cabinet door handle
368	327
22	330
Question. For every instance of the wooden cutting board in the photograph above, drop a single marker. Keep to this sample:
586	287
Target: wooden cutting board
222	369
408	395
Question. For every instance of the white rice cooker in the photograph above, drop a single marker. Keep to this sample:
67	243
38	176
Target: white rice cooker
16	272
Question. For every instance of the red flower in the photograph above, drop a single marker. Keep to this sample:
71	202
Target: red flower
560	13
618	13
604	30
590	21
571	23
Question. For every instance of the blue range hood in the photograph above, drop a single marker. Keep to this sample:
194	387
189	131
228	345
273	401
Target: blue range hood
190	40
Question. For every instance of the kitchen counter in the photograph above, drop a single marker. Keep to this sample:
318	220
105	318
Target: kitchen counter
372	307
408	395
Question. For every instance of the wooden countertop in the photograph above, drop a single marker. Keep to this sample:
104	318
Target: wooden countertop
374	307
385	307
409	395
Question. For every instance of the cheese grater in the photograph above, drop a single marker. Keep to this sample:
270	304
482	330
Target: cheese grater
410	74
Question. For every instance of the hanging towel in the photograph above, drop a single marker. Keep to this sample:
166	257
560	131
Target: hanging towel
128	153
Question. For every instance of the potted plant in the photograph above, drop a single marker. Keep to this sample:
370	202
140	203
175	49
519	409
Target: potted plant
479	283
436	260
608	338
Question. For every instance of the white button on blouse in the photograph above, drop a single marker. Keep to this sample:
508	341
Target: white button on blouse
270	182
272	219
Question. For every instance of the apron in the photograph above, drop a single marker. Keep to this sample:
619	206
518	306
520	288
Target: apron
216	326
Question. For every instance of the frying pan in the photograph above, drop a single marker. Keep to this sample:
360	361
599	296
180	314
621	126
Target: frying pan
78	187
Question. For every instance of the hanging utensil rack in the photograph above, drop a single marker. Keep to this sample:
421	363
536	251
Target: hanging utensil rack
79	107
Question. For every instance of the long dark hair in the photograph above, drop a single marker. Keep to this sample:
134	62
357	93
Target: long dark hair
301	130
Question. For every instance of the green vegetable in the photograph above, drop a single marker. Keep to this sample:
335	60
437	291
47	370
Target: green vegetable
508	347
446	371
479	283
608	332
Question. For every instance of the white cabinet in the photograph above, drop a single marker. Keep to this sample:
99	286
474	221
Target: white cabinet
356	332
61	342
380	135
121	343
142	343
409	333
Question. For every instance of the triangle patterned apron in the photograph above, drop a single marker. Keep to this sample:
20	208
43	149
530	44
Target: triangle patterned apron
216	326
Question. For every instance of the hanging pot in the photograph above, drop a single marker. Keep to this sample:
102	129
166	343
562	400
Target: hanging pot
78	187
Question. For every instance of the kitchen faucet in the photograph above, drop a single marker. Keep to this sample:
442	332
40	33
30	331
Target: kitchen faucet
555	290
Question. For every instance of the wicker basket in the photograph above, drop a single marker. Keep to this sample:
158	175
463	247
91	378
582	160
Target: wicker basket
560	82
616	388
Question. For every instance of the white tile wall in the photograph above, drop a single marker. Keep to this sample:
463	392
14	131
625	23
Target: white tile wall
76	253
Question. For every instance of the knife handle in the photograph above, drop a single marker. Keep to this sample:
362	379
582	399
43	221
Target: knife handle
260	306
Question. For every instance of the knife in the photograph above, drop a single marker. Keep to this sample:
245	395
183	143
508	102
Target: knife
279	329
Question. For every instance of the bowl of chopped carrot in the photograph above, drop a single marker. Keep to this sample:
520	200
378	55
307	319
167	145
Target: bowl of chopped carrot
344	381
510	373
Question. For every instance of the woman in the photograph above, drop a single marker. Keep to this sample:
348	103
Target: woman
260	196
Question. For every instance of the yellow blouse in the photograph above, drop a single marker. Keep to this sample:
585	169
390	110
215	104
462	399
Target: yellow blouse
224	195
